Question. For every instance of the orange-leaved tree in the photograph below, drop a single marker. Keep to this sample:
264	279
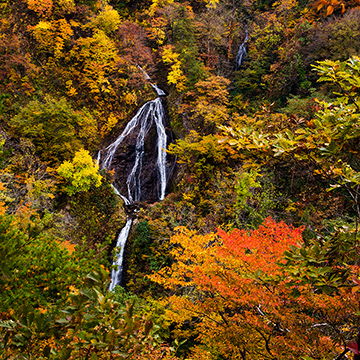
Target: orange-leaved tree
231	292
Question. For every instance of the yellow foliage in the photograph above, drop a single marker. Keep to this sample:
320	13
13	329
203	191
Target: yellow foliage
108	20
66	4
87	127
81	173
207	104
52	36
130	97
42	34
39	191
111	122
42	26
109	125
285	5
212	3
71	91
188	196
176	75
98	56
156	31
169	56
96	49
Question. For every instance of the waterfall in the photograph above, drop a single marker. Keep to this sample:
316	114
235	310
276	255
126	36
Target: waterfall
158	90
121	241
241	54
161	145
151	114
154	86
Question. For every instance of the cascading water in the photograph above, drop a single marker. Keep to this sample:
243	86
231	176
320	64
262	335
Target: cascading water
241	54
121	241
151	113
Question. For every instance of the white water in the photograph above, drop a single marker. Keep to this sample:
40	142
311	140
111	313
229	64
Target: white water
150	113
147	77
123	198
241	54
120	244
161	145
158	90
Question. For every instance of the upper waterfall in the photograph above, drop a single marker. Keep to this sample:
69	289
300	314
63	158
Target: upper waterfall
241	54
149	114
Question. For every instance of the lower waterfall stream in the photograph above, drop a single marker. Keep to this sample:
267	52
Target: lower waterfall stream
150	115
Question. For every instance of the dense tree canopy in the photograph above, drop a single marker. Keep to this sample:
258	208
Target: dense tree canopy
254	252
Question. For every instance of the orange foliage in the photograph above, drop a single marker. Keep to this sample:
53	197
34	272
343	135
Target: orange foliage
2	208
41	7
235	294
25	215
332	5
68	245
2	203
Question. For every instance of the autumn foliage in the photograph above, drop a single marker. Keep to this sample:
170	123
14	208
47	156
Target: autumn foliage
267	152
231	290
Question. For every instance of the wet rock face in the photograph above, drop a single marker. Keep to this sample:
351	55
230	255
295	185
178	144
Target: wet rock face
147	175
146	178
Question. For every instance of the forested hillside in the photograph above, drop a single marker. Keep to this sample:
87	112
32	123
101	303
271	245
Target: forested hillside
253	254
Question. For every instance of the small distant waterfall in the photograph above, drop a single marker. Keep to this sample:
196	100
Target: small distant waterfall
151	114
241	54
